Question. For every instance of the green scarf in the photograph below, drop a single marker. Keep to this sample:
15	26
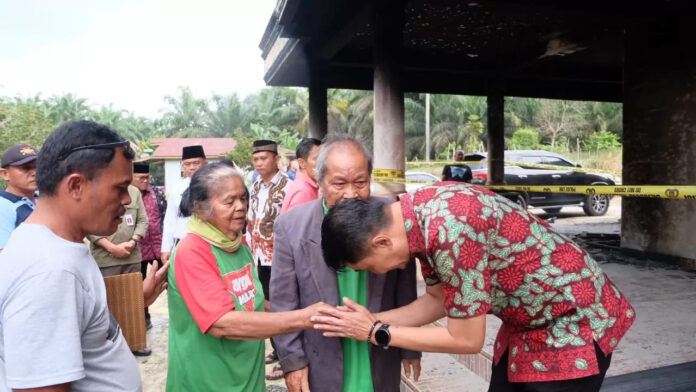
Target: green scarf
213	235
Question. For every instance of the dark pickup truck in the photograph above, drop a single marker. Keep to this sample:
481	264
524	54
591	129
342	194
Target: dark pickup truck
518	174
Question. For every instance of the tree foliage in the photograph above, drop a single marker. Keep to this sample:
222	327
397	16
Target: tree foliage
456	122
242	150
602	140
524	139
23	122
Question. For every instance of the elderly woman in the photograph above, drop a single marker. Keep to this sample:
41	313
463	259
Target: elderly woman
217	322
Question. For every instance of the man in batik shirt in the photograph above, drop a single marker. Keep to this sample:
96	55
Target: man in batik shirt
265	202
481	253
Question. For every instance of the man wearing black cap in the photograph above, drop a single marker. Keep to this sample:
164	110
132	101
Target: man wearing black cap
155	207
18	201
192	159
266	200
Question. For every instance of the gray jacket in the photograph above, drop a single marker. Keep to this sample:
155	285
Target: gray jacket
300	278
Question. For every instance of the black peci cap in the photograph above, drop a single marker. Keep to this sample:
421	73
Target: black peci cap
190	152
141	167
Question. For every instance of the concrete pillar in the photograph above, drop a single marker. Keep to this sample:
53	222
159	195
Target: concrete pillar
659	142
496	139
389	136
318	123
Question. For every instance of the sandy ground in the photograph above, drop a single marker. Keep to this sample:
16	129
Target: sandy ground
570	220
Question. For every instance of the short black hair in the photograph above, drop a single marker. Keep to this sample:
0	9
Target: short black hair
305	146
348	227
56	161
461	173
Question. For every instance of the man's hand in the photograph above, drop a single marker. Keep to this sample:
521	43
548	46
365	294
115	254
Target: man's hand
412	365
155	282
350	321
128	245
119	251
165	256
298	381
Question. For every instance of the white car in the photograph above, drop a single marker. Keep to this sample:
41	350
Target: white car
424	177
419	176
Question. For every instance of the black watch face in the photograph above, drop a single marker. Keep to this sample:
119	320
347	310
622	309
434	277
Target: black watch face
382	336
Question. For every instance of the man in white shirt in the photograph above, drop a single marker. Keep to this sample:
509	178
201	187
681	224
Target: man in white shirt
174	230
56	332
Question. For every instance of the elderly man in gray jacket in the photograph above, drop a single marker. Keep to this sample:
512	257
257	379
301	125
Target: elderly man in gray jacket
300	277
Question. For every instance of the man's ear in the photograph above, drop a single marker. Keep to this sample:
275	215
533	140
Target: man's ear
75	184
301	163
381	242
5	174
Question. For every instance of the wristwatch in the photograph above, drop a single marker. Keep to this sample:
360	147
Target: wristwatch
382	336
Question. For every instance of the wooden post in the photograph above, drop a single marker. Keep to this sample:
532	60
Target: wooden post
496	139
427	127
318	121
389	135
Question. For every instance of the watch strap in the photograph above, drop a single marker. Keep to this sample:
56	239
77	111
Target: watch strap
384	328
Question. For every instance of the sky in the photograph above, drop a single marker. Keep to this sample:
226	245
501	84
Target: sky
131	53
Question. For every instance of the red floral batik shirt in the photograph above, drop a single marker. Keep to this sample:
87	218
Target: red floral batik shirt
493	257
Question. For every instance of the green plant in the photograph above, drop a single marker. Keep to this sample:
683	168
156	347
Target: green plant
242	149
525	139
600	141
288	139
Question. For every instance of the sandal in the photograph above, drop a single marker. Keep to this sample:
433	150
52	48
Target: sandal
275	374
271	358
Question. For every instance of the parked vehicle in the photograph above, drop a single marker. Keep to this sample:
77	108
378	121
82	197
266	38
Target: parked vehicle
552	203
423	179
419	176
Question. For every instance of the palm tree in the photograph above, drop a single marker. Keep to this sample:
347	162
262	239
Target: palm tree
67	107
223	115
337	107
275	108
414	125
185	116
604	116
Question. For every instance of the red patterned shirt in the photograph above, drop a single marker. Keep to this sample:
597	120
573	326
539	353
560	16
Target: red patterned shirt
493	257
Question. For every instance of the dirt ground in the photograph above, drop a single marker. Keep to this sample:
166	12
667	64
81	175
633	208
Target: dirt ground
570	220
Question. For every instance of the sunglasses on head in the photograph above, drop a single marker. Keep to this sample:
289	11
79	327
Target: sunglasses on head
125	145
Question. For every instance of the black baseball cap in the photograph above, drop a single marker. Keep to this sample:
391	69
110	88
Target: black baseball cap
19	155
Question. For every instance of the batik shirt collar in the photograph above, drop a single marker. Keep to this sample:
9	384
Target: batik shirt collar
273	181
414	235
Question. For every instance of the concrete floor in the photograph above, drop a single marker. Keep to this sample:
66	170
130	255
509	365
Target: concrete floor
665	327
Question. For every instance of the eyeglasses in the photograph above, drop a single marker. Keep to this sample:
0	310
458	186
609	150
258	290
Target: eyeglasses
125	145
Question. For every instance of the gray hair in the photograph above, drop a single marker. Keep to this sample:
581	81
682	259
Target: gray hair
202	188
333	140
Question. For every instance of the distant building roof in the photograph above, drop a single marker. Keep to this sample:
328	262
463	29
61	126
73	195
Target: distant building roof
170	148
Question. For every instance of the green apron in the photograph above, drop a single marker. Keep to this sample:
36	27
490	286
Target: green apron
200	362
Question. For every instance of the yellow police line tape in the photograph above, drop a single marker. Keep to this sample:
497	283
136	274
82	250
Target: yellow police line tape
653	191
687	192
514	163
